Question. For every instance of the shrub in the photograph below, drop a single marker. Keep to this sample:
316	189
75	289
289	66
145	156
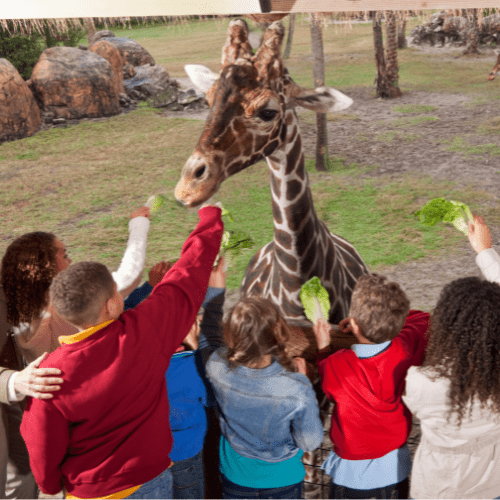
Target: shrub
21	50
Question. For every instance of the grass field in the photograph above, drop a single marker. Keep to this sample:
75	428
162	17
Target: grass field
83	181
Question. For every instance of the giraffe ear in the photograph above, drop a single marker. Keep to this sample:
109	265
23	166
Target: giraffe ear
321	100
201	76
237	45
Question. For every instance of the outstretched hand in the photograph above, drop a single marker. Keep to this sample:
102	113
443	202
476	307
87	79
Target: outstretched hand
345	326
321	330
479	234
36	382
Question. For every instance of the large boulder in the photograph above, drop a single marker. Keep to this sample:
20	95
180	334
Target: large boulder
132	52
147	81
19	113
101	34
71	83
107	50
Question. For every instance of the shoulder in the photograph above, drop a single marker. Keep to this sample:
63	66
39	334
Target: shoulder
217	362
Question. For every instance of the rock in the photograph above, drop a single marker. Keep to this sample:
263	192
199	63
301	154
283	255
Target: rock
132	52
73	84
128	71
149	80
83	47
101	34
19	113
107	50
58	121
175	107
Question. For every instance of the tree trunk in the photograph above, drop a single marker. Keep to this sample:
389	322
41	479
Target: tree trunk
89	24
319	81
387	72
402	31
472	36
289	39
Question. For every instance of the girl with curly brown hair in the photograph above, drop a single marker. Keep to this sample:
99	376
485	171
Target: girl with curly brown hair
456	395
268	411
28	267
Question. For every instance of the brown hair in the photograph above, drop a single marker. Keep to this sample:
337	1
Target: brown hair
79	293
254	328
28	268
464	340
379	307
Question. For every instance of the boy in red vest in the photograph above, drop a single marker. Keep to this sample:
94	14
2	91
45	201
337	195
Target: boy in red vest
106	433
370	423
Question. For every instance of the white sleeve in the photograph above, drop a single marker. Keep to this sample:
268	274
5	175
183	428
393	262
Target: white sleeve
489	262
12	395
132	264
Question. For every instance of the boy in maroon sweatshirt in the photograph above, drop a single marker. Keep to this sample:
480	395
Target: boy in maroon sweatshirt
106	431
370	423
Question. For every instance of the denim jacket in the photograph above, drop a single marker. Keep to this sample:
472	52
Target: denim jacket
266	414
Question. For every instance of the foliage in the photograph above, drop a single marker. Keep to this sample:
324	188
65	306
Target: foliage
440	209
315	300
22	51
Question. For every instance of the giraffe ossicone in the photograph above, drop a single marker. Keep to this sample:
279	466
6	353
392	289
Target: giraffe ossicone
252	117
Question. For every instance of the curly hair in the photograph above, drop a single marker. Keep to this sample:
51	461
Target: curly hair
28	268
255	328
379	307
464	340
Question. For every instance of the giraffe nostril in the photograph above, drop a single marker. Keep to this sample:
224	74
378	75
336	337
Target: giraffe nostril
200	172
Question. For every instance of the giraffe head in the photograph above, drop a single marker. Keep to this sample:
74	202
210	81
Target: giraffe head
251	105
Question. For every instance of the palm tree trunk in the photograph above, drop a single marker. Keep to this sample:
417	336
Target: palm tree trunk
319	81
89	24
391	52
472	36
289	39
402	31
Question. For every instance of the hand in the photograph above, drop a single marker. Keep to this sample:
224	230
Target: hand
300	363
157	272
207	204
35	382
218	276
479	234
141	212
321	330
345	326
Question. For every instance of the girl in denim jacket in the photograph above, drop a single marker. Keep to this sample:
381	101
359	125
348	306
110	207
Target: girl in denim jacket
268	412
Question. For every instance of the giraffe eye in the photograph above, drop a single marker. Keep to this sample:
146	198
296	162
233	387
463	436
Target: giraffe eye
267	114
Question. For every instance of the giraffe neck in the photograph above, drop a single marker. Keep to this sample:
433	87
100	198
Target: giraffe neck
296	224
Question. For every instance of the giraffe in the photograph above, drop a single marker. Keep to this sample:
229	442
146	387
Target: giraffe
252	117
495	69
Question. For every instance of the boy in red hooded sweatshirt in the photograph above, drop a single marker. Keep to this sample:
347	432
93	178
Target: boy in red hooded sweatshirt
370	423
106	432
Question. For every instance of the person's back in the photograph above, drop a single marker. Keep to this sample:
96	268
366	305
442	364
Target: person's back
106	429
268	412
456	395
370	423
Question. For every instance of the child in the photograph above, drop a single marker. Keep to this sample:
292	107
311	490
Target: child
105	432
456	395
268	412
187	384
370	424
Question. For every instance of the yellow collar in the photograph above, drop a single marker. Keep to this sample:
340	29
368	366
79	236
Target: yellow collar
73	339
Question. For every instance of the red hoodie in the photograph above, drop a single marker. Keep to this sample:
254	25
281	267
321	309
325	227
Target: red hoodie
369	418
107	429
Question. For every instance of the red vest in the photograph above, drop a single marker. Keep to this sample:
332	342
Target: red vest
369	418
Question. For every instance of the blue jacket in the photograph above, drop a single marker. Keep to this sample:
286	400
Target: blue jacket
267	414
187	385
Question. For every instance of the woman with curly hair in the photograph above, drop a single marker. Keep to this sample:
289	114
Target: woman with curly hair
30	264
456	395
268	412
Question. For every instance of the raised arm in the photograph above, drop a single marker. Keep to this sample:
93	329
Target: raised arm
487	258
128	275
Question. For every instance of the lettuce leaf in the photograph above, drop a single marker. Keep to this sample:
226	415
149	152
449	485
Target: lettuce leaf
315	300
155	202
452	212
